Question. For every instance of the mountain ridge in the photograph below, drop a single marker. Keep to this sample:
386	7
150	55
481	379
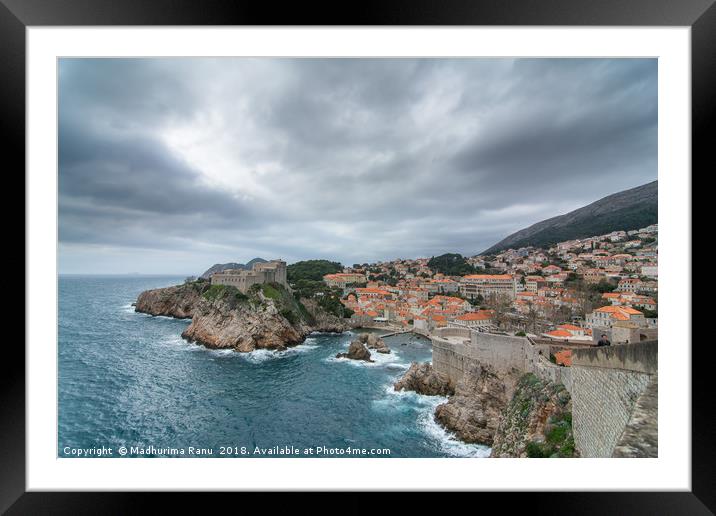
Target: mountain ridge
626	210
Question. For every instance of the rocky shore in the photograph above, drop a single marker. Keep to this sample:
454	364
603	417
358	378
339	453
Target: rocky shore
423	379
268	317
516	415
356	351
359	348
373	342
474	411
178	301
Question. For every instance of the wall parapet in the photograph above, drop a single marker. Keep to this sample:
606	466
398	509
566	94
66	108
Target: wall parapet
640	357
453	331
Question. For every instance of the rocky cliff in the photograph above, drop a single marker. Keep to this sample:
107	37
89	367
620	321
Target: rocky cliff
179	301
536	423
356	351
473	412
268	317
517	414
371	341
423	379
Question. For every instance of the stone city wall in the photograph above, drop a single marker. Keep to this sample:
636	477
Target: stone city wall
605	383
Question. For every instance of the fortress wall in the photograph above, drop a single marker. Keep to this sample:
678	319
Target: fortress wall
501	352
451	359
547	371
639	356
606	384
602	403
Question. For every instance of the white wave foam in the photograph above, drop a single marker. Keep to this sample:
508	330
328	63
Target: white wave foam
445	440
257	356
388	360
221	352
262	355
413	397
128	308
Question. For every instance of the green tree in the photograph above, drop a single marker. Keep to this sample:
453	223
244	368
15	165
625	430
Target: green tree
603	286
450	264
311	270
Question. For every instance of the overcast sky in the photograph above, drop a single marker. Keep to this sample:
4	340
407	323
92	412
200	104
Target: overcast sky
172	165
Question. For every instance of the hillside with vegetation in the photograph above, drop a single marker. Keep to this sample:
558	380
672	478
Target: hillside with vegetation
313	270
631	209
451	264
306	280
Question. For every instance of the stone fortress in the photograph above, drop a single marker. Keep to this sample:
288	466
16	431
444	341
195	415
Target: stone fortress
266	272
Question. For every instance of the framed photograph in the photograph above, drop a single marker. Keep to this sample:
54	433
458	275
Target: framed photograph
413	250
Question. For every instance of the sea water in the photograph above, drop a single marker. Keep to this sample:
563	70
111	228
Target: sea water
129	381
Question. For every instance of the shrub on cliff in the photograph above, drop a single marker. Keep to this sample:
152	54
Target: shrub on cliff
559	441
288	305
537	421
226	292
289	315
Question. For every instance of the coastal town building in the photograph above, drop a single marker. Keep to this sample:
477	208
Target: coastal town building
343	280
484	319
556	293
607	316
629	285
487	285
651	271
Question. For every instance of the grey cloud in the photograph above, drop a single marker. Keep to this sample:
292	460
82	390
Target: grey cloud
349	159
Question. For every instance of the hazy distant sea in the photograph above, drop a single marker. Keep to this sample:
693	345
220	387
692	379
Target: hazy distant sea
128	379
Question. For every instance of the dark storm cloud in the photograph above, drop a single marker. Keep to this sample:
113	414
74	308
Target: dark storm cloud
205	160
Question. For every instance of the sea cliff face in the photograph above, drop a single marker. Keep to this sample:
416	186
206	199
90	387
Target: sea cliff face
423	379
473	412
243	327
517	415
223	318
178	301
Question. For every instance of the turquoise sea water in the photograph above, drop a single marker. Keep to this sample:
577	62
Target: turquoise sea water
129	380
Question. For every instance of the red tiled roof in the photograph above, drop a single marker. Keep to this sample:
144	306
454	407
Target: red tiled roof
559	333
564	357
489	276
482	315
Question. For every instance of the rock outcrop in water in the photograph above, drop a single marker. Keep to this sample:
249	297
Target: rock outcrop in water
373	342
268	317
536	423
356	351
423	379
473	412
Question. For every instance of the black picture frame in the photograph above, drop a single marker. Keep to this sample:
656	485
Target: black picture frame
700	15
